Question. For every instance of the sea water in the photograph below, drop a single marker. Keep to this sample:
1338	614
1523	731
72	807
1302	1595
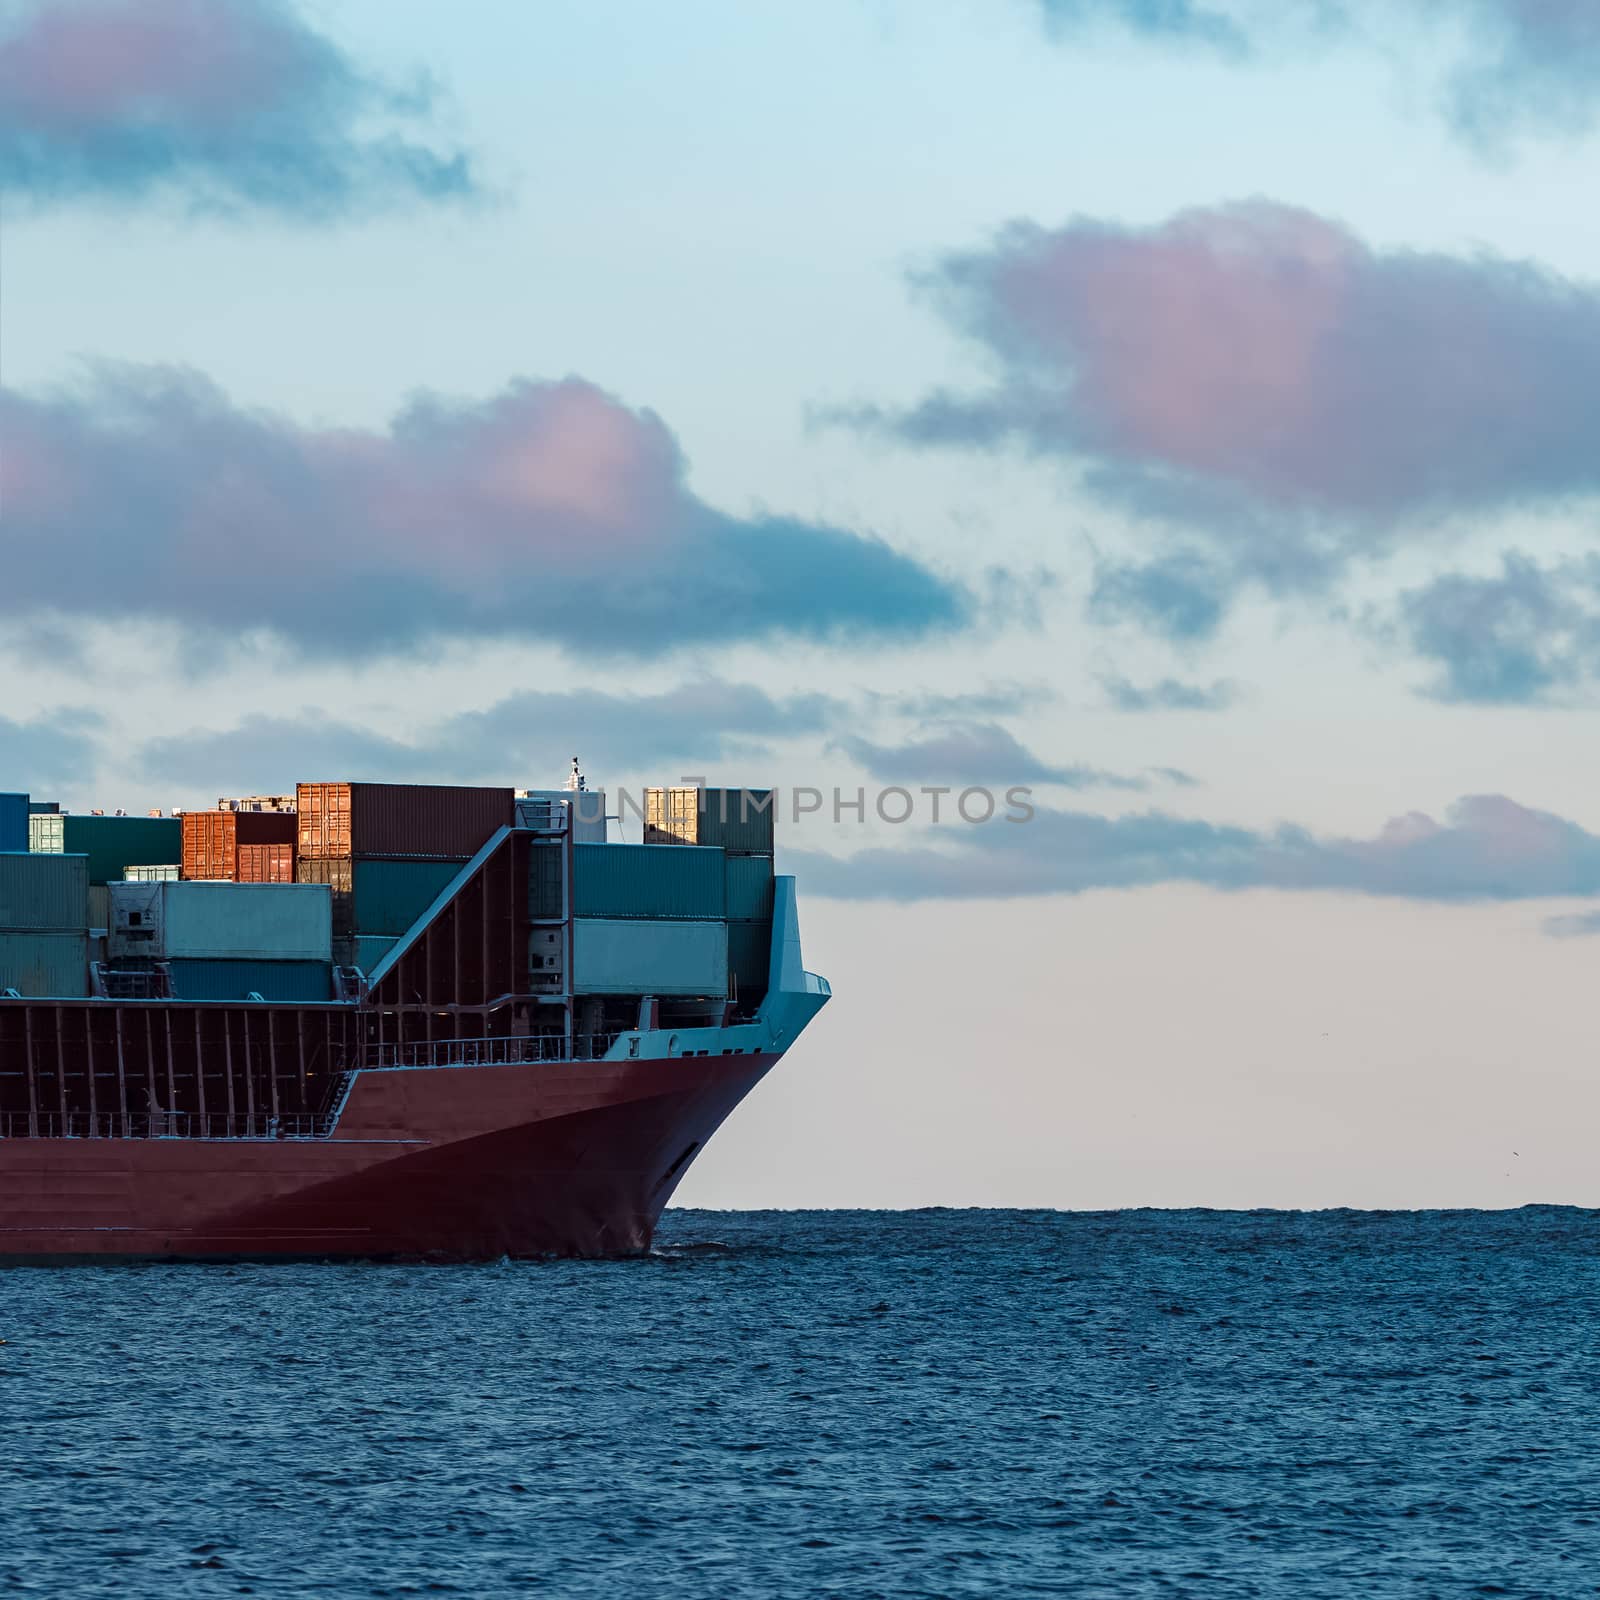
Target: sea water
829	1403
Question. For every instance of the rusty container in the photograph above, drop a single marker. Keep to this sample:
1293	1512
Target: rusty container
212	839
266	863
350	821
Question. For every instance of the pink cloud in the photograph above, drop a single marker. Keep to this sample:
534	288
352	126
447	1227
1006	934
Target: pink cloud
95	62
227	103
549	510
1266	351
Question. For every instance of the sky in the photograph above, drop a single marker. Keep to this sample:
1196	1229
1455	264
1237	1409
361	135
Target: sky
1182	410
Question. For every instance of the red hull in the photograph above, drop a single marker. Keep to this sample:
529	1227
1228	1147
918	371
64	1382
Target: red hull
460	1163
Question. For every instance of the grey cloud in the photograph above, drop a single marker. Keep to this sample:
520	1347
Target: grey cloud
1169	694
1488	848
974	753
1509	67
49	753
1179	597
995	700
1578	925
1175	19
1515	638
549	511
527	739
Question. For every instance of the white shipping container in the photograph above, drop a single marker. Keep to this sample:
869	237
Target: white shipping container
222	921
656	957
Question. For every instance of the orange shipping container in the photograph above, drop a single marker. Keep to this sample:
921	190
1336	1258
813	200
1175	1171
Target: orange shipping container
342	821
211	839
266	863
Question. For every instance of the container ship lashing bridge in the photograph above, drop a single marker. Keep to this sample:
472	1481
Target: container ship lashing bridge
463	1100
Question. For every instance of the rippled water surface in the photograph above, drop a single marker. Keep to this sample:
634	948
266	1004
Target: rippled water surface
844	1403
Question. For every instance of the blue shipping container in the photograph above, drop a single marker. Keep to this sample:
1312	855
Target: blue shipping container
198	978
13	822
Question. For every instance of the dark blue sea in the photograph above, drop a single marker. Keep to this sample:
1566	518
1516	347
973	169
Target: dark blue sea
829	1403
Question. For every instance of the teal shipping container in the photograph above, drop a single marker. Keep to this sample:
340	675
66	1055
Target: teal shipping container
47	894
13	822
749	888
112	844
378	895
627	957
199	978
683	882
749	960
44	965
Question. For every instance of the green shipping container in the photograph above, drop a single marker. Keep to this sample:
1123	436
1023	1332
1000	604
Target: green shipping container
44	893
737	820
375	895
633	881
52	966
749	960
749	888
112	844
198	978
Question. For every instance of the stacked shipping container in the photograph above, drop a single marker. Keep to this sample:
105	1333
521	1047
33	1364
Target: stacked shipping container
212	840
387	851
741	822
112	844
224	941
44	921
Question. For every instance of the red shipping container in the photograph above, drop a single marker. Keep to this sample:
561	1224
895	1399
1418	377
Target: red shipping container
423	821
211	839
266	863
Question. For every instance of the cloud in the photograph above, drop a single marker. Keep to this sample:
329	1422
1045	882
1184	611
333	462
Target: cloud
550	511
1169	695
994	700
1510	66
226	105
1177	19
1270	397
1488	848
1579	925
1178	596
47	753
527	739
982	753
1261	355
1512	639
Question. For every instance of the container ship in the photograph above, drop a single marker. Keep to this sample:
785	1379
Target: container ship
380	1021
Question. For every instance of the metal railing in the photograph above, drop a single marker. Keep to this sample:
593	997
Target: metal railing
164	1125
514	1052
